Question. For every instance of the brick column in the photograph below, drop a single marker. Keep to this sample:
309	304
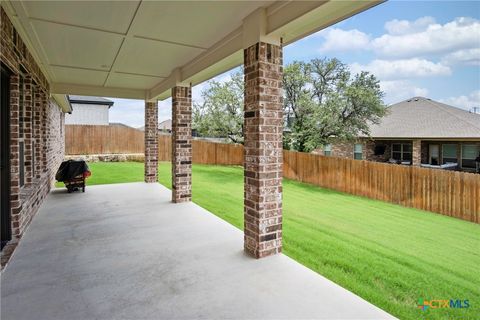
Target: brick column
181	144
416	152
263	127
151	141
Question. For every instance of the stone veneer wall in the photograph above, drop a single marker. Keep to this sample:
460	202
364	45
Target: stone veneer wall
43	132
263	158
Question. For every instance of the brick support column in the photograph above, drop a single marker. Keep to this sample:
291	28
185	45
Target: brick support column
181	144
416	152
151	142
263	128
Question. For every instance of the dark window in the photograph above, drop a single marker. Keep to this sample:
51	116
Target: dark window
402	151
21	156
380	150
449	153
469	153
21	110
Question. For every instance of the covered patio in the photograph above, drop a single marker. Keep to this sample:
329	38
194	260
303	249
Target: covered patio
125	251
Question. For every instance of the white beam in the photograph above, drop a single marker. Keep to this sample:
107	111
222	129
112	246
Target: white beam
85	90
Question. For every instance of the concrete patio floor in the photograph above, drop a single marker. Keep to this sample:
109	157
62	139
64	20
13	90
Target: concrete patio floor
125	251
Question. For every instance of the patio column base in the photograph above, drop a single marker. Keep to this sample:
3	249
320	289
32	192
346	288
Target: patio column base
151	142
263	157
181	144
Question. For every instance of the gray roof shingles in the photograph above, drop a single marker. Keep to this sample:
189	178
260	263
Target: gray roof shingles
420	117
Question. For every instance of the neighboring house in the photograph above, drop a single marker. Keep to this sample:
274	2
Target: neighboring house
165	126
88	110
421	132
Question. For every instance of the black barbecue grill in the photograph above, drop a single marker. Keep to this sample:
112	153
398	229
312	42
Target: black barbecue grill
73	174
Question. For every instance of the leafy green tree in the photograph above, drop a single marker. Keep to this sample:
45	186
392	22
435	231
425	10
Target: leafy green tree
221	113
322	100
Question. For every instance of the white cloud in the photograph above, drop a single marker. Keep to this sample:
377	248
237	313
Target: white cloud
466	57
402	69
399	27
407	39
398	90
410	39
341	40
465	102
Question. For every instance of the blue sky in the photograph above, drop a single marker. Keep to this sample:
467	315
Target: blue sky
415	48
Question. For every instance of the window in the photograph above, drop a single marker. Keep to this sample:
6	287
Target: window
21	107
327	150
21	156
449	153
469	153
358	151
402	151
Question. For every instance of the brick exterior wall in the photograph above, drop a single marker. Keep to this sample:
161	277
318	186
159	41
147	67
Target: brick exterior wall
263	125
181	144
42	133
420	150
416	152
151	142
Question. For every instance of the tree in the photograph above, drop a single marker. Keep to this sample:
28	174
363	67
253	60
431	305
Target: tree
221	113
327	102
322	100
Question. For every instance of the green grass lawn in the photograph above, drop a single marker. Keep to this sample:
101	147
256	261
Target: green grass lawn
387	254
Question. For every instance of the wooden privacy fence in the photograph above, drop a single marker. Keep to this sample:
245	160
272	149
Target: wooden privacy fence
204	152
84	139
450	193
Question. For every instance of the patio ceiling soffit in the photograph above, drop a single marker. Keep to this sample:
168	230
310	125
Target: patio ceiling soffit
289	20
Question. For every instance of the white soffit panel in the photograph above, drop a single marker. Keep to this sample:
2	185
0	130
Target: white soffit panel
77	47
82	76
194	23
154	58
113	16
133	81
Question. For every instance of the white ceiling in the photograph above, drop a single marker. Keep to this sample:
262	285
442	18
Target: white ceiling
101	47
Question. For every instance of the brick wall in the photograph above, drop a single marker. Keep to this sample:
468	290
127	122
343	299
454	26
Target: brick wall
42	130
263	158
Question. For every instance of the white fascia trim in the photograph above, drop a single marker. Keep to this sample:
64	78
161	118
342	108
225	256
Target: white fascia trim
86	90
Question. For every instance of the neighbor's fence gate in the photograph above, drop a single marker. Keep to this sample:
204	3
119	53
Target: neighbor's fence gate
451	193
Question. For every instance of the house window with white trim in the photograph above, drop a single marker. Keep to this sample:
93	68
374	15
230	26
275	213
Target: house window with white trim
327	150
469	153
449	153
402	151
358	151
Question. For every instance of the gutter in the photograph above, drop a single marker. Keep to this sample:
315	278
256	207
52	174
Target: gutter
63	102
